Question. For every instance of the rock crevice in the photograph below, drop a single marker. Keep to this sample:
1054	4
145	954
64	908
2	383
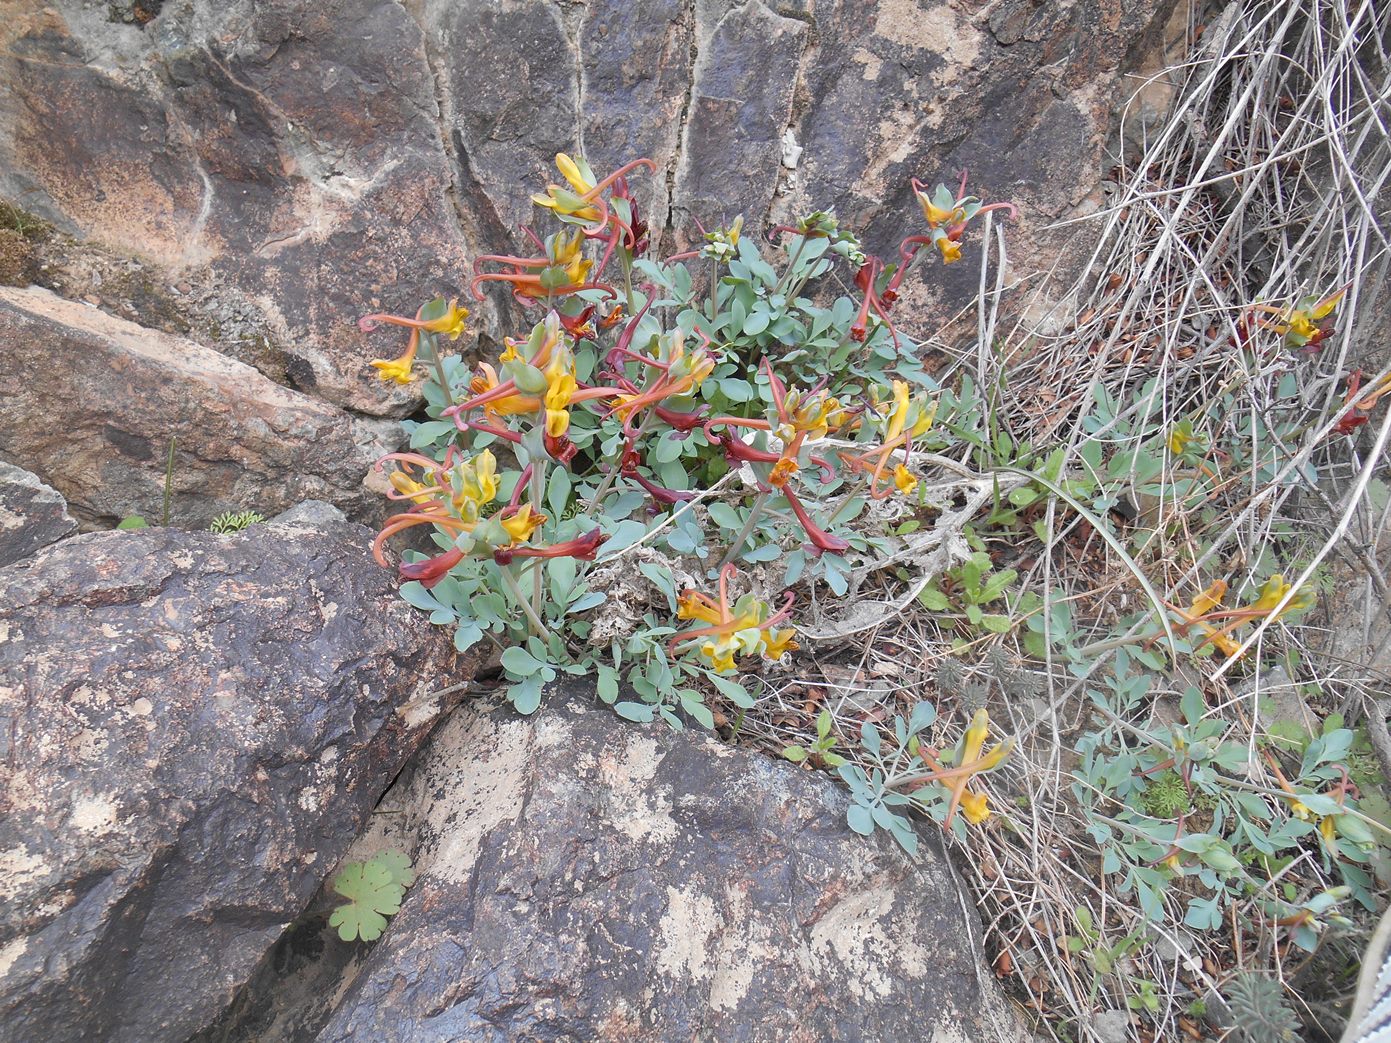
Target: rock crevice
578	879
198	728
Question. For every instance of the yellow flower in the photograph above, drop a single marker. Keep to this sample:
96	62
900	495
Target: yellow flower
558	396
694	605
478	478
934	215
898	419
398	369
1273	591
569	253
1328	830
522	524
1209	599
1302	321
974	738
560	389
779	643
905	480
1180	437
975	806
570	170
569	203
688	372
408	487
923	424
720	654
451	323
1299	809
735	229
1224	643
1326	306
782	472
1302	325
950	251
923	414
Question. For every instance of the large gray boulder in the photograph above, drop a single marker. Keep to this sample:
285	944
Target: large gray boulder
282	157
193	729
582	878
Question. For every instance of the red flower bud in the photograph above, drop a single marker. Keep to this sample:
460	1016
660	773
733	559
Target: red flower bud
431	570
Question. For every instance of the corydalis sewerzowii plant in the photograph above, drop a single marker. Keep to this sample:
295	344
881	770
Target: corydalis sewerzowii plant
1305	325
947	216
626	404
748	627
1206	610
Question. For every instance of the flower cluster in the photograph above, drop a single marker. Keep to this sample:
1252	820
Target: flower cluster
1218	624
629	391
969	762
947	216
748	627
454	498
902	419
1305	325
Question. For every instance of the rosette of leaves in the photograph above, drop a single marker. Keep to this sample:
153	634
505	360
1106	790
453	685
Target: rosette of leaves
373	890
1259	1014
973	585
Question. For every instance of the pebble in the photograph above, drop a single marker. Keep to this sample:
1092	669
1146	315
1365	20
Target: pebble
1112	1026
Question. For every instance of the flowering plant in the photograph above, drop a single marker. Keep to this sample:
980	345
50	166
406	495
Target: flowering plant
704	417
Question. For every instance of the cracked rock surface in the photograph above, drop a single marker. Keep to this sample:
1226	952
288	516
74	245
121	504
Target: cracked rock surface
96	422
580	880
288	166
194	729
32	515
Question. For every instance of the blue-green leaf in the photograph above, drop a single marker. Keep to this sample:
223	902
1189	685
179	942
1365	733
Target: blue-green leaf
640	712
525	695
859	818
518	662
414	594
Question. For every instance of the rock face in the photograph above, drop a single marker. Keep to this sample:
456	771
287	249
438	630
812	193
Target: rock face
96	421
288	152
296	165
582	879
194	730
31	514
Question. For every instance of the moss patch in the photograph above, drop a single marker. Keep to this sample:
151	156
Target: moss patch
16	259
24	224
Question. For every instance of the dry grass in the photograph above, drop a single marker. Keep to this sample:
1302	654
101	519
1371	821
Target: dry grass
1267	184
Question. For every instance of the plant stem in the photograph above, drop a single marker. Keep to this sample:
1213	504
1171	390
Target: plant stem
537	491
754	512
537	627
627	264
791	265
169	480
439	373
612	474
